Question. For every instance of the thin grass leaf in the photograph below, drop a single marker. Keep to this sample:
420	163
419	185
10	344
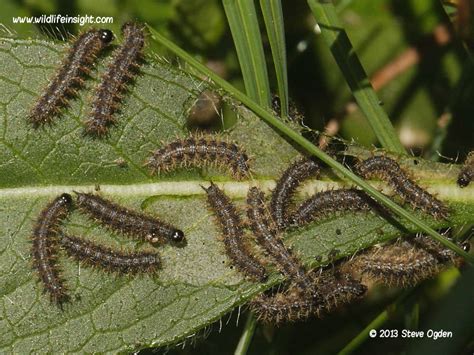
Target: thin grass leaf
412	316
242	18
306	144
375	324
247	335
336	38
273	17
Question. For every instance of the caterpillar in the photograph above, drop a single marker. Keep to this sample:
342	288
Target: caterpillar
236	245
69	77
44	248
283	307
286	185
128	222
337	289
113	84
324	203
389	170
292	306
267	236
108	259
200	151
406	262
467	172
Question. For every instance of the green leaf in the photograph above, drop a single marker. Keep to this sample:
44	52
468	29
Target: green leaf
196	285
335	36
273	17
243	22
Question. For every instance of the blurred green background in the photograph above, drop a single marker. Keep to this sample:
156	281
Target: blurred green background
418	55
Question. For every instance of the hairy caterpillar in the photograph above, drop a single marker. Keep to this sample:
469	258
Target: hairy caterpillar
291	178
326	202
389	170
109	93
108	259
200	151
406	262
267	235
125	221
45	248
291	306
236	246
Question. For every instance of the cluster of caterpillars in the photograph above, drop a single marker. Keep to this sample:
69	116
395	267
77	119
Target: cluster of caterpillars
306	293
70	76
310	293
48	238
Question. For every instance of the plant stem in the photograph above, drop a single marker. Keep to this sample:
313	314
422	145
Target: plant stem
375	324
247	335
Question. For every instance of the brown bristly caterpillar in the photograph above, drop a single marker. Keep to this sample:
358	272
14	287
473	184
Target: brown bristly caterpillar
123	220
337	289
389	170
44	249
283	307
289	181
70	76
268	237
406	262
200	151
292	306
324	203
236	245
123	69
105	258
467	172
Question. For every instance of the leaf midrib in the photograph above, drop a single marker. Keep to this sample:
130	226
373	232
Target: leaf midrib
235	189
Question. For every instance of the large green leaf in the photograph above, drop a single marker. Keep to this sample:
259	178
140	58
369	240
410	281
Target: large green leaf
196	285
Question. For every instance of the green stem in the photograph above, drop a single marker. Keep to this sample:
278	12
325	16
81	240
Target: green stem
247	335
306	144
412	316
374	325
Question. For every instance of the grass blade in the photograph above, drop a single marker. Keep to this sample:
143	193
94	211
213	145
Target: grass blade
247	335
375	324
336	38
273	17
306	144
242	18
